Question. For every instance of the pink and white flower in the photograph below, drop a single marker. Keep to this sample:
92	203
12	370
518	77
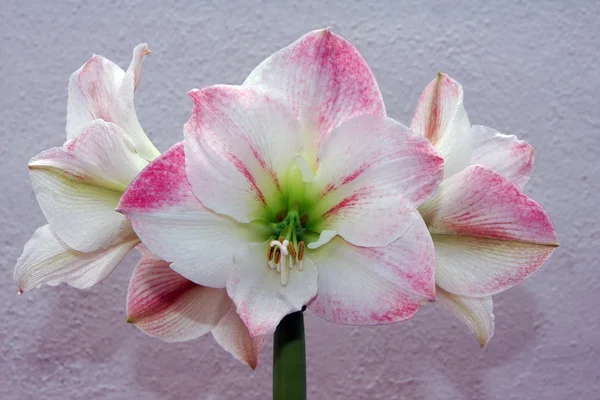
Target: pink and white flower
295	189
79	184
165	305
488	235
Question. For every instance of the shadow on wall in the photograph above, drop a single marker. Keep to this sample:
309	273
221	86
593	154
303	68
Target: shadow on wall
430	356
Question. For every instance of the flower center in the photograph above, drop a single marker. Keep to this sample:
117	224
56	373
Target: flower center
287	252
290	220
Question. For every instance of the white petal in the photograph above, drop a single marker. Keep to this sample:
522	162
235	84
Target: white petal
48	260
79	185
174	225
504	154
476	266
165	305
102	90
441	117
375	285
488	235
92	94
324	80
476	313
373	173
261	300
233	336
239	144
127	116
324	238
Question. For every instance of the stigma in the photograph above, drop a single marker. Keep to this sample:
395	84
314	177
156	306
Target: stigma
283	256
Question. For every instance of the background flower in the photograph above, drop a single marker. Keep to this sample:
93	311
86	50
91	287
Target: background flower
79	184
488	235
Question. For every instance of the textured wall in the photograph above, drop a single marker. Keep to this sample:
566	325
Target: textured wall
531	70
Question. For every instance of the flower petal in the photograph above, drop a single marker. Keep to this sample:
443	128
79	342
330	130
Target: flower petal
232	334
165	305
324	79
238	143
488	235
100	89
476	313
261	300
175	226
441	117
48	260
125	97
375	285
504	154
92	94
477	266
373	173
79	185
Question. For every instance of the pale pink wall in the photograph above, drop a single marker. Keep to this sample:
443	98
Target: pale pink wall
527	69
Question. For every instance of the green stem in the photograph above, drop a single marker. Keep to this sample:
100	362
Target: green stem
289	359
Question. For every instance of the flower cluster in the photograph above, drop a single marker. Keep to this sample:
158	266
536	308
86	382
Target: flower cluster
293	189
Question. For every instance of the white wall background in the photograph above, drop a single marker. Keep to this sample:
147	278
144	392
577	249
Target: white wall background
528	68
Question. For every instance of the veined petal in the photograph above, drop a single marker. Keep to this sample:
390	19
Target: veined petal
92	94
261	300
476	313
100	89
125	98
441	117
488	235
238	143
324	79
164	304
375	285
48	260
232	334
79	185
478	266
175	226
373	173
504	154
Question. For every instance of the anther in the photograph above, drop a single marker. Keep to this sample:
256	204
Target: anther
300	255
292	251
270	252
277	256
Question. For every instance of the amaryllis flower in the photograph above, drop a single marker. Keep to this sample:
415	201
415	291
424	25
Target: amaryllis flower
295	189
79	184
165	305
488	235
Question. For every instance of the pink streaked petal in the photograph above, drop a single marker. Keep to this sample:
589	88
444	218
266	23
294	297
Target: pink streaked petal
373	173
488	235
480	202
232	334
238	143
375	285
324	79
171	221
504	154
93	94
440	116
48	260
102	90
256	289
165	305
476	313
127	115
79	185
